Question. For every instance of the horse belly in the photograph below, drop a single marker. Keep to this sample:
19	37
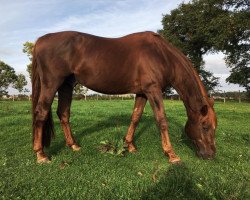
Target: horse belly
107	82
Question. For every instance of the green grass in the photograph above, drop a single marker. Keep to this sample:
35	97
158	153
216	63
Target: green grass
89	174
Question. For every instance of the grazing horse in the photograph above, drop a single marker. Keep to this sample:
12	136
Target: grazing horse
140	63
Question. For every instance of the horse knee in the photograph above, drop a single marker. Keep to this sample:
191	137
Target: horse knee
163	125
135	120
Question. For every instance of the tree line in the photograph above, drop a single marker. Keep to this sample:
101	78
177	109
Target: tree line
8	77
197	28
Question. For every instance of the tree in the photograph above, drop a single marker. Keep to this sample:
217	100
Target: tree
28	48
20	83
7	77
210	26
80	90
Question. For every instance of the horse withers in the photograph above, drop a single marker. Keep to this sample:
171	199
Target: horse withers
140	63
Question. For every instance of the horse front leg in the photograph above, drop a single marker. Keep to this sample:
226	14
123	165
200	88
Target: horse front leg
156	101
140	102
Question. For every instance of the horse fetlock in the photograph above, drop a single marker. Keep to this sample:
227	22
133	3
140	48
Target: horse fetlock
173	158
131	147
37	148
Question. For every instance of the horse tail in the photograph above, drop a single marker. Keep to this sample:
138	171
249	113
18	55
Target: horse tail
48	127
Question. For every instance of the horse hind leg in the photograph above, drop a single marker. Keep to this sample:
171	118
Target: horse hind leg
42	127
63	112
140	102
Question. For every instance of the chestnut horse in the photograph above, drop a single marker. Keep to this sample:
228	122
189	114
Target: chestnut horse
140	63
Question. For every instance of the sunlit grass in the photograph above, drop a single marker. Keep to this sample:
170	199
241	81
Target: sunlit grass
90	174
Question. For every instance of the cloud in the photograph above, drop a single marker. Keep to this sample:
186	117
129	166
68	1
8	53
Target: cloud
216	64
224	86
120	18
6	52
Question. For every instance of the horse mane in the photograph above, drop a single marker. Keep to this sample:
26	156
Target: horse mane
186	80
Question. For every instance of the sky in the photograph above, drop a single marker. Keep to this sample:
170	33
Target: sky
26	20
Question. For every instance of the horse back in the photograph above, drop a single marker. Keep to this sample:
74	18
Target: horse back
107	65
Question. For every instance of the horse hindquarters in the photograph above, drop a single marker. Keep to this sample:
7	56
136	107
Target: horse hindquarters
43	93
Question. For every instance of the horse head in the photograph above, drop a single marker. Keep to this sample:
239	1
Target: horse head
200	128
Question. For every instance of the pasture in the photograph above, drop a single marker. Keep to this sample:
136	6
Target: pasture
90	174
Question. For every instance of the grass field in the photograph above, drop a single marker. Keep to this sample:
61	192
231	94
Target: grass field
90	174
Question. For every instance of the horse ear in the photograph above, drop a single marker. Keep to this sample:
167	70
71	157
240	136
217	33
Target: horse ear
211	101
204	110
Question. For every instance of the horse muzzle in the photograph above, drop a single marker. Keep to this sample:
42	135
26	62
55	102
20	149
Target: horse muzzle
205	151
206	155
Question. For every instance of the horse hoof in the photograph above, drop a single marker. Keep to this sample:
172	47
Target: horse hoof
175	161
44	160
75	147
131	149
179	162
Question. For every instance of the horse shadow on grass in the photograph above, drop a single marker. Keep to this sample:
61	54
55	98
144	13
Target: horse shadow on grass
112	121
184	137
177	183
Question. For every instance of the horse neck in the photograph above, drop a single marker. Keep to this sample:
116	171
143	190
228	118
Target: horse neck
190	88
184	78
